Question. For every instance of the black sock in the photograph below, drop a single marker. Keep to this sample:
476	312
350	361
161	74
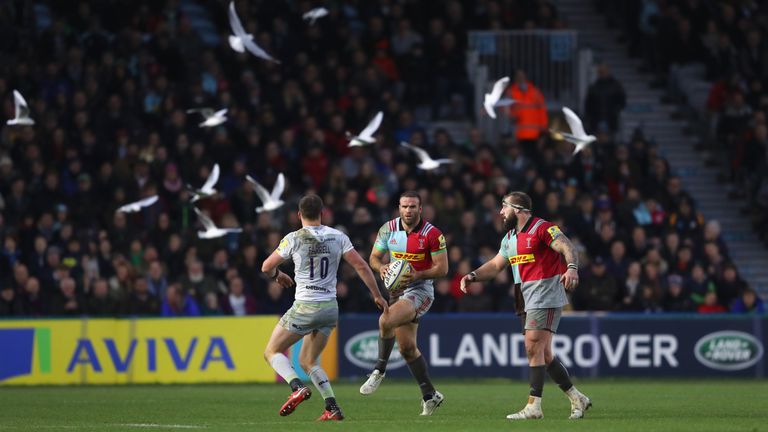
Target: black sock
330	404
559	374
296	384
385	349
537	380
418	369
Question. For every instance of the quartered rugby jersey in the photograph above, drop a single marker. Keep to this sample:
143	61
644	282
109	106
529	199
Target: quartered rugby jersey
535	265
417	247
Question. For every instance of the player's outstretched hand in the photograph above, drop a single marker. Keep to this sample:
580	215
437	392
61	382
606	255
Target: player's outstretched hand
464	282
284	280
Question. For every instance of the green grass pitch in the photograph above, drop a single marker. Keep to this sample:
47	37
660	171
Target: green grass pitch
619	405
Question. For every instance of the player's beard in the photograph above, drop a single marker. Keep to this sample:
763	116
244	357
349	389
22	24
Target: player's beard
510	222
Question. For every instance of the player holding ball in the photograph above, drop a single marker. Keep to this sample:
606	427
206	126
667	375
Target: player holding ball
412	239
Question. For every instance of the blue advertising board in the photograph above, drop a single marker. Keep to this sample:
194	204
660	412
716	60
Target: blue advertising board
492	345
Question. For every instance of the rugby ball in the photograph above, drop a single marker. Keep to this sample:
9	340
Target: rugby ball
395	272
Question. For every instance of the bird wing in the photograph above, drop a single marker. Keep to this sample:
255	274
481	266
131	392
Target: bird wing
488	105
207	222
234	22
220	113
577	129
373	126
279	187
257	50
146	202
205	112
420	153
259	189
213	177
128	208
498	88
22	109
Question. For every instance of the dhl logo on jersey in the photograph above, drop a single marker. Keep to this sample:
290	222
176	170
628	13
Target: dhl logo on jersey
521	259
408	256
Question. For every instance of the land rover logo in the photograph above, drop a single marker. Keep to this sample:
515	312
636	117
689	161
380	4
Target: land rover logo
363	351
728	350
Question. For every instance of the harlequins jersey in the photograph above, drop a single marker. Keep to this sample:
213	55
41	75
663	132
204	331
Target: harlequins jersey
418	247
535	265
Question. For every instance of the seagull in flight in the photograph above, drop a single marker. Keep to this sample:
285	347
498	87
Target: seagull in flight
212	119
492	99
138	205
22	111
426	161
366	136
241	38
207	189
272	200
211	230
314	14
577	135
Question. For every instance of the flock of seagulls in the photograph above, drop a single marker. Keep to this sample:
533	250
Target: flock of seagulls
240	41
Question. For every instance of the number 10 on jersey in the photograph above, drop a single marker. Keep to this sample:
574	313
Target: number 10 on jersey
324	264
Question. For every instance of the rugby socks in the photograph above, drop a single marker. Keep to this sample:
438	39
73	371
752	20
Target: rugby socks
385	349
559	374
283	367
321	381
418	369
537	380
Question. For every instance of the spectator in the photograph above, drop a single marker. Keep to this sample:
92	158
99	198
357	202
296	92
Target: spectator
605	101
748	302
598	291
196	283
100	303
67	301
32	301
529	112
9	303
676	299
444	301
179	303
476	300
711	304
238	302
141	302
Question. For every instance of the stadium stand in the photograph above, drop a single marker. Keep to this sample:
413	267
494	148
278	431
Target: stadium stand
108	84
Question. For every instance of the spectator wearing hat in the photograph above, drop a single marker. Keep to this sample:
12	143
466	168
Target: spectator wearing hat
599	290
675	299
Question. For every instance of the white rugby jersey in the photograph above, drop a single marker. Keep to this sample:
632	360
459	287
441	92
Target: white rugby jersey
316	252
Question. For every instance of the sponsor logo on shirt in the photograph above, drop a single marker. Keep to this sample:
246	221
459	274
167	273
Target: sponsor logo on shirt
521	259
554	231
441	242
393	241
408	256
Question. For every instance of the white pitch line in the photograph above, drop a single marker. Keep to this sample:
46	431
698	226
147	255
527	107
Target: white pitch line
160	426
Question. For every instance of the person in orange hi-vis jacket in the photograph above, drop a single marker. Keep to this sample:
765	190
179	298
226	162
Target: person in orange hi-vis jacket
529	112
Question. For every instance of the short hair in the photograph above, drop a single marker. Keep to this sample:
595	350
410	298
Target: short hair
520	198
310	207
410	194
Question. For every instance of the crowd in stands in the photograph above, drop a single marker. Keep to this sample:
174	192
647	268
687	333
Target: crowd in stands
109	84
730	41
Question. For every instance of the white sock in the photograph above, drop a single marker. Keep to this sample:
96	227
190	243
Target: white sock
572	393
534	401
321	381
283	367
